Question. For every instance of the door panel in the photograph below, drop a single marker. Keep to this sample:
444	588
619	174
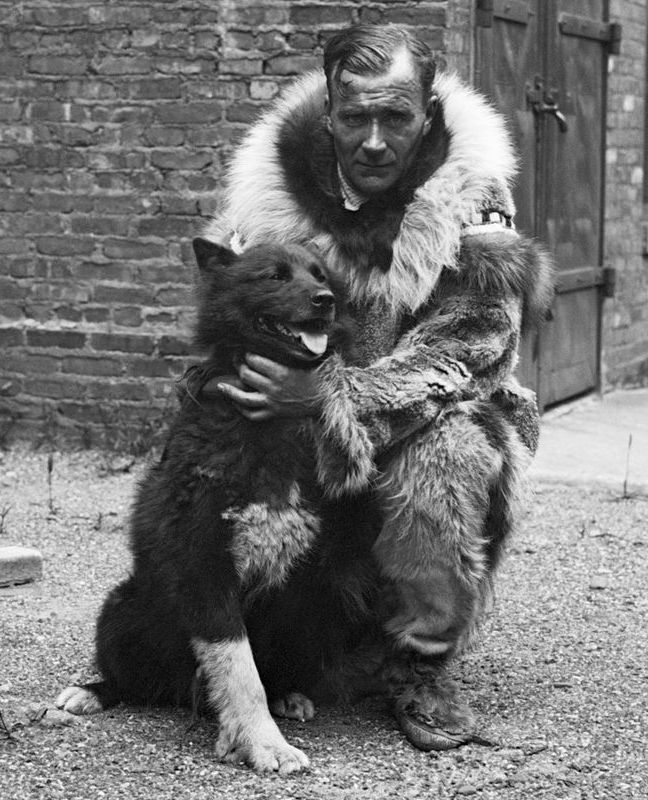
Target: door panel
547	75
515	40
572	218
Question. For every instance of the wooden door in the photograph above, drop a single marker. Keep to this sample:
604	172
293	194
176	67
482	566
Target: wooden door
543	63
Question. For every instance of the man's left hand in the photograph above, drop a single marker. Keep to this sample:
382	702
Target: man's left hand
273	390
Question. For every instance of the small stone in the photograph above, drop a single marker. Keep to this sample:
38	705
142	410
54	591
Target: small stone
466	789
600	580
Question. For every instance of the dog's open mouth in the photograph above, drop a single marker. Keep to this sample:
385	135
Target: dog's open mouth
309	337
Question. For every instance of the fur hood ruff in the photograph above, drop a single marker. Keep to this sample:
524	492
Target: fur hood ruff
258	205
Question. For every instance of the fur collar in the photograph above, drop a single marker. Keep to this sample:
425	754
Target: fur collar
390	252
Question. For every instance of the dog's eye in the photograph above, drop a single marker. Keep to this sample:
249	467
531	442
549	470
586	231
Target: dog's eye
317	273
282	273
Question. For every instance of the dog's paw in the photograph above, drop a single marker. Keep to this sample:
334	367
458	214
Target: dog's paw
78	700
294	705
265	750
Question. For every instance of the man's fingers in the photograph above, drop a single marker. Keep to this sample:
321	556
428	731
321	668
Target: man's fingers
265	366
243	399
253	379
256	416
212	387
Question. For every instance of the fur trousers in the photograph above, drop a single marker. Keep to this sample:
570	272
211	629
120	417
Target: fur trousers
449	499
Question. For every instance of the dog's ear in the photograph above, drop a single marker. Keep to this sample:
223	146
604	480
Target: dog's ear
214	255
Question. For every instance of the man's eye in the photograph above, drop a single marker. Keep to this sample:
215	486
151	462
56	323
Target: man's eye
397	119
353	120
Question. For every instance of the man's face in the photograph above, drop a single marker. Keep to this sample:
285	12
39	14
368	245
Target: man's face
377	124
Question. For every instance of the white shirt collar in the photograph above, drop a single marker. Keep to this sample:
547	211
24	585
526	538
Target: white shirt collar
352	199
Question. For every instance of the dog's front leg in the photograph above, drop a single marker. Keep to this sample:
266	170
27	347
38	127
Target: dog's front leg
247	731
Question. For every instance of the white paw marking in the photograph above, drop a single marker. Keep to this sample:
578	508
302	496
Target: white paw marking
77	700
261	747
294	705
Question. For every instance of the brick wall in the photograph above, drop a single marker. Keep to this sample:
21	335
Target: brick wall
115	121
625	319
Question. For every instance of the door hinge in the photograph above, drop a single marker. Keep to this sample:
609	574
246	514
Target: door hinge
609	282
608	33
510	10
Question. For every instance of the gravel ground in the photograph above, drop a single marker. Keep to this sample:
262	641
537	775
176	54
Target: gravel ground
558	679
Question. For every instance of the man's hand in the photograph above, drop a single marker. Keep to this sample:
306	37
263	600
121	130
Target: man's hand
269	390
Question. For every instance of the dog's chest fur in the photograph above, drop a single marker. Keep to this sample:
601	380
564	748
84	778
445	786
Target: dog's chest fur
260	478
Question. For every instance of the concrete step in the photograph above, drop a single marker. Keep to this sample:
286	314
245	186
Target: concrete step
19	565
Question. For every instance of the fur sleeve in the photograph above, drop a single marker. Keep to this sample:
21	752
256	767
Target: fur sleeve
464	345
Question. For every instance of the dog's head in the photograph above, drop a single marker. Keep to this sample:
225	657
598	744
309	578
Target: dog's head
274	300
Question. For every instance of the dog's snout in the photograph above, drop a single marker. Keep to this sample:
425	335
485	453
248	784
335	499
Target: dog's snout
323	300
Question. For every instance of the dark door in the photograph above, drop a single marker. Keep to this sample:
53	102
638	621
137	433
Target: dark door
543	63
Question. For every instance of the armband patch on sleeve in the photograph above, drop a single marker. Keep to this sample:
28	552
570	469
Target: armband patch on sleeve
486	221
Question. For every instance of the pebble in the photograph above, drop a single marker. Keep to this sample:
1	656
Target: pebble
600	580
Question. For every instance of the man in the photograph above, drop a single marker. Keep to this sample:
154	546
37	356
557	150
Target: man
402	179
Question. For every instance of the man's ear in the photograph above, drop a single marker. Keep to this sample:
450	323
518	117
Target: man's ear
208	253
327	112
430	112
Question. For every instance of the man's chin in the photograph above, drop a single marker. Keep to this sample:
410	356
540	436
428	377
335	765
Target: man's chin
372	185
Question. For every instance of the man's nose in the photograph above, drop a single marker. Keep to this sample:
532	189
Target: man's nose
374	142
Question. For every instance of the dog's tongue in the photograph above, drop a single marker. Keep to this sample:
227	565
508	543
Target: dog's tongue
315	342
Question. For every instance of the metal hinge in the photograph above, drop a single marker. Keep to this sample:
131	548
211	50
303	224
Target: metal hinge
608	33
609	282
511	10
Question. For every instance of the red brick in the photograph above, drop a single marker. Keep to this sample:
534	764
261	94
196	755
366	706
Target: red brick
190	113
102	226
88	365
9	156
240	66
61	16
122	294
165	226
13	245
122	65
155	89
22	267
10	112
11	290
70	340
119	391
128	316
164	136
135	250
320	15
64	245
69	313
122	342
96	314
291	64
148	368
243	112
54	389
11	337
58	65
179	159
173	346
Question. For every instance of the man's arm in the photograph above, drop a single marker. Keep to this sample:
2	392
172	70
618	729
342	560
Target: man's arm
464	346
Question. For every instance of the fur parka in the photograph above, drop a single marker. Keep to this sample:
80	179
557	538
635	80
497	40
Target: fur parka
440	283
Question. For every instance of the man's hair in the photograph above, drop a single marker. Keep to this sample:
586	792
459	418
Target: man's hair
370	50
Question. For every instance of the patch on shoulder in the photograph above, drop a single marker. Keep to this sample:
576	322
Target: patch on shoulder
269	539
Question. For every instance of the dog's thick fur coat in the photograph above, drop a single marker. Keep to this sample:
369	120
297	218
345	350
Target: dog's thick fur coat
225	516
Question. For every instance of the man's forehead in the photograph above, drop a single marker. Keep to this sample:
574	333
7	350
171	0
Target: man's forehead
401	78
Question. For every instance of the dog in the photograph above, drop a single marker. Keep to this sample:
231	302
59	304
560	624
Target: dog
226	516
